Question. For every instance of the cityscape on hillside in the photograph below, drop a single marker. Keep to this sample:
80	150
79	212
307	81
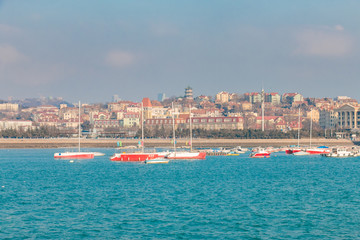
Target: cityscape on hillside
338	117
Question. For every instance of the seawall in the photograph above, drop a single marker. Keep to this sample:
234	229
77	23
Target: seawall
112	143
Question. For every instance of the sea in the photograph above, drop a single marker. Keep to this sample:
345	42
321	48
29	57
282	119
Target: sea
222	197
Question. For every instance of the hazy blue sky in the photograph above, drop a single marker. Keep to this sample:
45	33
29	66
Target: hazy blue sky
91	49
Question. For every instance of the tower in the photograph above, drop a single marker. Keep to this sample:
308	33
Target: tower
189	93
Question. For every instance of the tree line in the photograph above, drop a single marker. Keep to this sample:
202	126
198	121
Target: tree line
38	132
161	132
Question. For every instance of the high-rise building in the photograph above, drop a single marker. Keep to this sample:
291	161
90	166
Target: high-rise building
115	98
189	93
161	97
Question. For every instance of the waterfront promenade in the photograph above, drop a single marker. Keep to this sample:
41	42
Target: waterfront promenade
112	143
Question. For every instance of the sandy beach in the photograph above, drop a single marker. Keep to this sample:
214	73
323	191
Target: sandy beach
112	143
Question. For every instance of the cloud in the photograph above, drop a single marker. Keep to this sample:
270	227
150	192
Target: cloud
20	69
163	30
120	59
10	55
7	29
339	28
323	42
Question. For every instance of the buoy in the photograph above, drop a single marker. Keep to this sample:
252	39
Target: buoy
71	160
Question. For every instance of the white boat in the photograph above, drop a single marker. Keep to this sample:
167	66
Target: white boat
259	153
301	153
340	152
239	150
186	155
98	154
157	161
78	154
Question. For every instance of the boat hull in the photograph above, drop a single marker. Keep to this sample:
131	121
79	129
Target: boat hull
157	161
187	155
74	155
260	155
317	151
133	157
292	151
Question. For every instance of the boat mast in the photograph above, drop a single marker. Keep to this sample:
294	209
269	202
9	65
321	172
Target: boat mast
173	123
79	126
262	110
311	127
299	129
142	127
190	129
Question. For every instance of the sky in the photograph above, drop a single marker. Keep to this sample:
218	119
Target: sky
89	50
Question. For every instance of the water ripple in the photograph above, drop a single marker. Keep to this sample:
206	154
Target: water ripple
221	198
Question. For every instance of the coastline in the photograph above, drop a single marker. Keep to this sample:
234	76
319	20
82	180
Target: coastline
197	143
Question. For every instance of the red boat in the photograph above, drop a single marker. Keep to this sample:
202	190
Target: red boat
133	157
292	151
318	151
75	155
260	154
311	151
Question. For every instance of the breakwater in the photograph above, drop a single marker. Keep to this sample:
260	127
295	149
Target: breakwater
199	143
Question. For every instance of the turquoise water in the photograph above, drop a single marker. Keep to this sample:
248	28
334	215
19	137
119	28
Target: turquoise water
282	197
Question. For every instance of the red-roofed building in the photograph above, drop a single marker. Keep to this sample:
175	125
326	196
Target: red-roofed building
271	122
273	98
253	97
292	97
216	123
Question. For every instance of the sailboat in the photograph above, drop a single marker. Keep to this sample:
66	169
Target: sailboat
319	150
308	151
296	149
185	155
78	154
136	157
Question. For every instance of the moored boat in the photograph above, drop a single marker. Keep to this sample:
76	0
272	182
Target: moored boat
340	152
157	161
133	157
318	151
136	157
184	155
187	155
292	150
233	154
260	153
301	153
74	155
78	154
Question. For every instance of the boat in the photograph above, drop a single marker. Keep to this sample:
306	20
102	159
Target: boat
134	157
78	154
292	150
185	155
74	155
238	150
317	151
137	156
157	161
301	153
260	153
233	154
297	148
98	154
340	152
